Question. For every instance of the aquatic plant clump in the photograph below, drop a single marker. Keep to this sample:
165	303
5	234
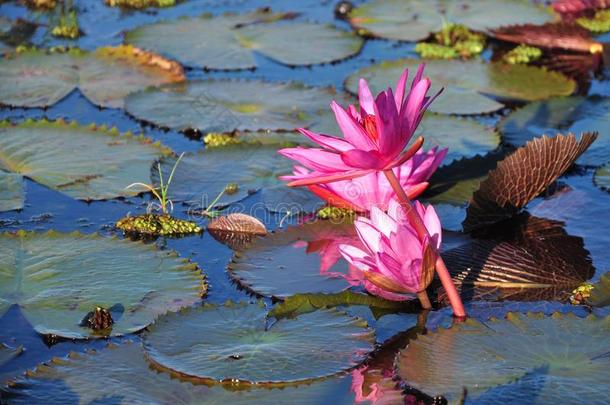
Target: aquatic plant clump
67	26
155	225
336	214
453	41
598	24
522	54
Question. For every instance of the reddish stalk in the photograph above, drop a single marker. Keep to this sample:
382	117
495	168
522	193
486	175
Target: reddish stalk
424	300
420	228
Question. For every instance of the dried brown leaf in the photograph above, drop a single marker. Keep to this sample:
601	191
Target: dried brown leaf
551	36
236	230
525	259
523	175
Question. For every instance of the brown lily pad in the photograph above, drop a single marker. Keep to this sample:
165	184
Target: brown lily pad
236	230
522	176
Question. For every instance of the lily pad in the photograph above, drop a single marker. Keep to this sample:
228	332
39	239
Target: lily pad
12	197
301	259
229	105
200	177
471	87
465	138
414	20
84	378
602	177
573	114
600	295
58	278
86	163
237	342
526	259
522	176
39	78
566	355
230	41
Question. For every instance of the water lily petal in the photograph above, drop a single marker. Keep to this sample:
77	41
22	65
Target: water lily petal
351	129
357	158
316	159
365	97
327	141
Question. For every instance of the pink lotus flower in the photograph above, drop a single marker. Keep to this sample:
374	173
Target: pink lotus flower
394	260
373	139
374	190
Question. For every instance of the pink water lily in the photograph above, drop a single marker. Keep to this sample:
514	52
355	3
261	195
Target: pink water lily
395	259
374	138
374	190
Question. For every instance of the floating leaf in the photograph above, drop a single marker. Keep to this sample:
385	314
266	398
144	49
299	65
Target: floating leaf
414	20
600	295
463	137
38	78
87	163
470	86
528	259
522	176
229	105
573	114
566	355
85	378
230	41
236	230
201	177
57	278
304	303
12	197
602	177
301	259
552	36
236	342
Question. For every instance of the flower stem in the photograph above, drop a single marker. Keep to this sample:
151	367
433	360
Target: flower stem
424	300
420	228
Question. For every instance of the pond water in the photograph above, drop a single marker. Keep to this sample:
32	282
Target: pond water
323	343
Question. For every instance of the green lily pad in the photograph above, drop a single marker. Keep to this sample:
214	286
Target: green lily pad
13	195
301	259
465	138
85	378
414	20
229	105
105	164
200	177
230	41
237	342
58	278
39	78
600	295
471	87
602	177
571	351
573	114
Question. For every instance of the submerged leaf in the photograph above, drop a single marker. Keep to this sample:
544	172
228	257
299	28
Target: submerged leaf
304	303
568	114
13	193
230	41
58	278
301	259
236	342
602	177
85	378
87	163
565	355
471	87
600	294
413	20
527	259
38	78
522	176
